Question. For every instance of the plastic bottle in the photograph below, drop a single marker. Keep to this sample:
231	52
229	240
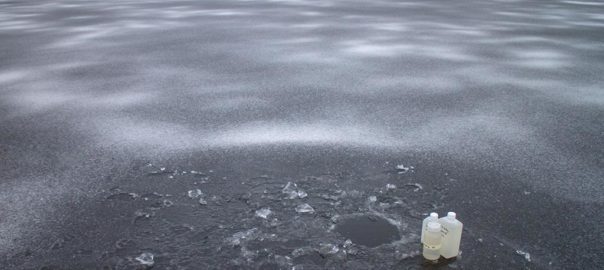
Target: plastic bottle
451	235
432	217
432	241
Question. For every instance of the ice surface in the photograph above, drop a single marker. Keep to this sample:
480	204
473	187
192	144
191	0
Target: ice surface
497	92
368	230
146	259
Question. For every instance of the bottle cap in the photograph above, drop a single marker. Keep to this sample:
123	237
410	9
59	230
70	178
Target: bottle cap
434	215
451	215
433	227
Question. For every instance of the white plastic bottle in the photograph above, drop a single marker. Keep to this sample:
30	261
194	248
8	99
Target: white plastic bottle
432	241
432	217
451	235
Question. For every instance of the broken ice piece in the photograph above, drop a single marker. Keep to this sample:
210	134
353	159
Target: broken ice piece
198	173
347	243
203	201
142	214
194	193
390	186
402	168
372	198
168	203
263	213
525	254
304	208
349	248
415	186
239	237
161	171
326	249
292	191
145	258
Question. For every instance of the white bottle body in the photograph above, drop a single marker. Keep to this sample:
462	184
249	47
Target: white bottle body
432	242
433	217
451	229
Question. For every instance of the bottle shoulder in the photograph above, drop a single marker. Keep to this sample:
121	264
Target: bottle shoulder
450	223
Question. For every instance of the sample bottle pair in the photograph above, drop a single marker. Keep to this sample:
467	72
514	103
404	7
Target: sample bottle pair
441	237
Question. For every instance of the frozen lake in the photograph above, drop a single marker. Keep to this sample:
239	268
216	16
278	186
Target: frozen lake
137	134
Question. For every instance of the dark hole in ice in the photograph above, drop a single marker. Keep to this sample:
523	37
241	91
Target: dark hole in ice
368	230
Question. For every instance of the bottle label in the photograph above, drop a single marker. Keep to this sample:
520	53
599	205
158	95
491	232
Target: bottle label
430	246
444	231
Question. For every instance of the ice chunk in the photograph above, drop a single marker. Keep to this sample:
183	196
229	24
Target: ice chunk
402	254
194	193
168	203
302	251
525	254
142	214
415	186
203	201
263	212
390	186
145	258
326	249
349	247
347	243
240	237
282	260
402	168
292	191
372	198
304	208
